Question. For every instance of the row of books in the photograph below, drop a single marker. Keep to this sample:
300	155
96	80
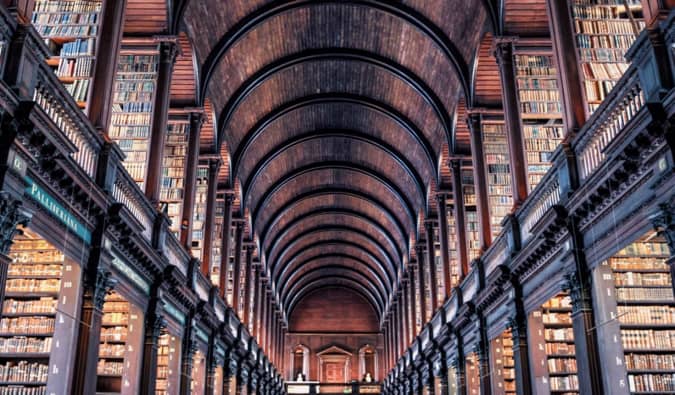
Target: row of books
23	371
114	334
535	65
536	83
175	150
562	365
78	89
75	67
67	6
646	314
587	9
546	132
604	71
559	348
134	107
602	54
549	95
535	145
137	64
642	279
42	305
638	263
112	368
644	294
651	382
27	325
605	26
141	120
534	157
79	47
557	318
559	334
597	91
111	350
18	390
67	30
115	319
174	169
650	361
27	255
540	107
22	344
647	339
32	285
38	269
643	250
566	383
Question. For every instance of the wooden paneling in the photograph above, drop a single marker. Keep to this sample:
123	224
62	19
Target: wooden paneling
487	85
526	18
183	86
145	17
333	310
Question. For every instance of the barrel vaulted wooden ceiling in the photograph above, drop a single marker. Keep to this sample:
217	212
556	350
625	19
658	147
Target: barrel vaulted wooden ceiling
335	120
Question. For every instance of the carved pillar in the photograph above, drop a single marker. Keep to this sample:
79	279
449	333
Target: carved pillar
518	326
570	83
444	385
422	283
236	275
168	50
459	363
214	166
96	286
433	283
460	222
154	323
442	200
664	223
191	164
483	352
187	358
11	216
480	181
583	324
225	243
99	106
401	325
247	283
507	72
405	301
263	314
211	365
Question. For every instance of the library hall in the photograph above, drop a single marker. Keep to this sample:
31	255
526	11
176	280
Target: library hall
329	197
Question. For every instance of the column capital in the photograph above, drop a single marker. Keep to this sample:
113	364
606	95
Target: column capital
473	121
229	197
578	288
168	51
502	49
11	216
664	223
197	119
214	164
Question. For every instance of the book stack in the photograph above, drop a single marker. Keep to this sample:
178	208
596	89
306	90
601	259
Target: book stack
70	29
503	365
131	121
605	30
559	345
498	172
114	330
173	171
199	213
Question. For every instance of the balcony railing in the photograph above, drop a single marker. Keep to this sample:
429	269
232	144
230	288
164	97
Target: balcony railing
607	122
127	192
544	196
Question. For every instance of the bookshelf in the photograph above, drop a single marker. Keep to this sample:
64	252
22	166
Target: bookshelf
472	375
646	314
452	247
173	170
29	312
503	366
133	101
199	215
230	270
471	215
540	112
497	171
70	30
438	266
604	30
168	364
559	345
198	379
216	253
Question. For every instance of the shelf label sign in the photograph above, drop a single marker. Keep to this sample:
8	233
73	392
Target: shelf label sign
174	312
130	273
55	208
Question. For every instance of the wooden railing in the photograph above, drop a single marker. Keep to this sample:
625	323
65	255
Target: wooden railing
176	254
607	122
69	119
127	192
333	389
544	196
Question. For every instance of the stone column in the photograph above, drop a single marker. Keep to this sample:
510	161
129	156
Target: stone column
187	355
413	300
191	166
507	72
168	50
518	326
